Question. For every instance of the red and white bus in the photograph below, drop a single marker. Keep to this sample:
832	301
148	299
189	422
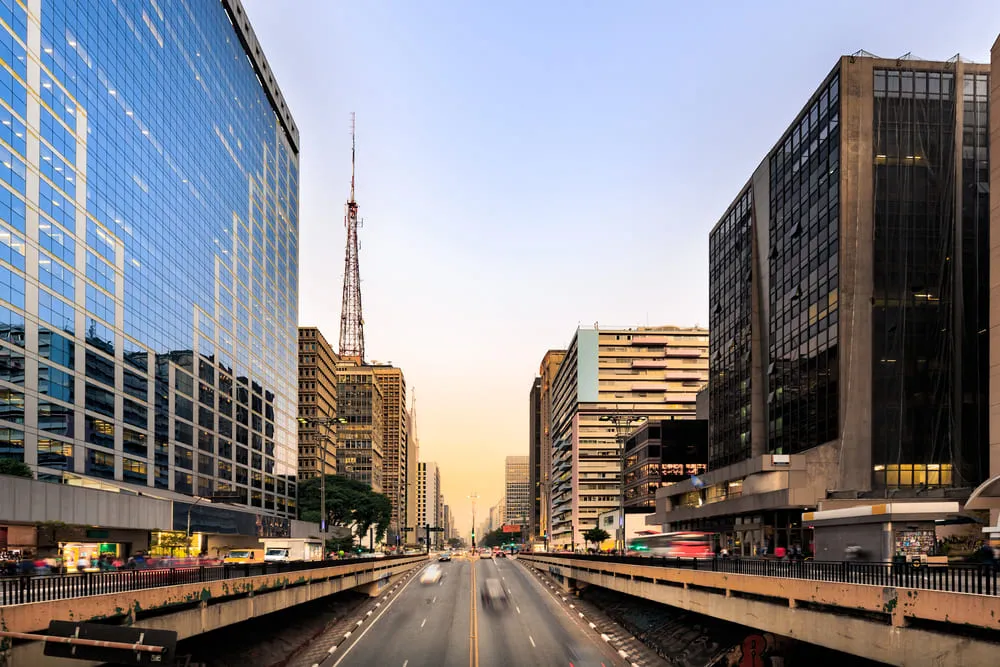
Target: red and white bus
688	544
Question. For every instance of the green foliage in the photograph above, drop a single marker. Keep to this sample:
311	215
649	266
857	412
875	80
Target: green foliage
456	543
347	501
493	538
15	468
596	535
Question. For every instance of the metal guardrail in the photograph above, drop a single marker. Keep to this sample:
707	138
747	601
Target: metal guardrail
976	579
23	589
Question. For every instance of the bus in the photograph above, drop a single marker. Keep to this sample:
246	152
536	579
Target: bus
690	544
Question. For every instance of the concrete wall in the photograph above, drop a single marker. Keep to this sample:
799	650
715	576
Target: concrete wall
29	501
720	595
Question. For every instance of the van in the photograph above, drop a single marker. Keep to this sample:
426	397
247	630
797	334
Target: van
244	556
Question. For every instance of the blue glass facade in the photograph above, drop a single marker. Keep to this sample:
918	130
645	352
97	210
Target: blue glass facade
148	249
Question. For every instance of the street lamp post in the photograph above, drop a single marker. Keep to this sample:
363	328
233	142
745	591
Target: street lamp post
623	424
473	496
328	423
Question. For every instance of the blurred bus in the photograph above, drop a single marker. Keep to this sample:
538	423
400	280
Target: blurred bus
689	544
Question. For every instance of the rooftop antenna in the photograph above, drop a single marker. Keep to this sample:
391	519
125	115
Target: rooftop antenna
352	324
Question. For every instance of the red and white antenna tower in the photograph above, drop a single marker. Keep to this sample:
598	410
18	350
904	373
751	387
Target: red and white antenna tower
352	324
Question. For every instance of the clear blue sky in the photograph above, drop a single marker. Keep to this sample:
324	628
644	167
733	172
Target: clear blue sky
527	166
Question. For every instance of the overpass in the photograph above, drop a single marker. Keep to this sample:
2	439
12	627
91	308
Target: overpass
877	611
189	601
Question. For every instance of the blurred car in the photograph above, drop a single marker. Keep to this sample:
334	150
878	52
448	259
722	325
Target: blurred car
444	558
493	595
431	575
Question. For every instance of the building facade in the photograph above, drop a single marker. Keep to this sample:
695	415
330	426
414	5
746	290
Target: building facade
428	505
360	435
412	488
148	260
994	374
547	375
317	400
518	490
874	204
659	453
395	432
642	372
535	462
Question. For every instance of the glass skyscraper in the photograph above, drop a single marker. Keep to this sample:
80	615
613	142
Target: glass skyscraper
148	249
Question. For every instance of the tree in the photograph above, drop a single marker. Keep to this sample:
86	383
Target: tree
596	535
456	543
343	497
494	538
15	468
372	509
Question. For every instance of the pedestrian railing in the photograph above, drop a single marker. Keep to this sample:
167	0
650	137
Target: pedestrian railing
978	579
22	589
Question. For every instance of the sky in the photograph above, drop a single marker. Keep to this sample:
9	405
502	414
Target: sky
527	167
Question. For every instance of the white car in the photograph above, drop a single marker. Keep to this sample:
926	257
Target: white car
431	575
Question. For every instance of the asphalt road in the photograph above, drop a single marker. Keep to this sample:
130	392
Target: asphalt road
446	625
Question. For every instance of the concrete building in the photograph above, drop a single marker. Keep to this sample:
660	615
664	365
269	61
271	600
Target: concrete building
660	453
317	399
428	499
149	294
873	204
498	513
518	492
395	433
535	461
547	371
642	372
361	438
447	522
412	457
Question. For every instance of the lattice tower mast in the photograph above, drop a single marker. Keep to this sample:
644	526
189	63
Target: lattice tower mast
352	323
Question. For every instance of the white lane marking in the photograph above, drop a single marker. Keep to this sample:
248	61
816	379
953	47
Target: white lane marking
405	663
434	600
518	609
370	626
423	622
532	641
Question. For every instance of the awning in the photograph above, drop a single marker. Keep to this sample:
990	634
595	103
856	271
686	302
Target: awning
986	496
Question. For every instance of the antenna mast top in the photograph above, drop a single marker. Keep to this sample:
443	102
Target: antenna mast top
351	201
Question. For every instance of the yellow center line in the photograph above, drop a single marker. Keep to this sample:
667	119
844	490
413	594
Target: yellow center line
474	621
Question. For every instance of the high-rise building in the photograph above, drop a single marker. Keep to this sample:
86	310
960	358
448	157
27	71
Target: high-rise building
360	436
518	491
149	281
429	487
498	513
994	233
547	374
535	462
641	372
317	400
446	524
395	431
873	204
412	457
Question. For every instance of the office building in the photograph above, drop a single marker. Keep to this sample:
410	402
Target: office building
660	453
535	455
994	233
641	373
395	432
547	375
429	491
518	491
873	204
360	435
148	258
498	514
412	457
446	524
317	401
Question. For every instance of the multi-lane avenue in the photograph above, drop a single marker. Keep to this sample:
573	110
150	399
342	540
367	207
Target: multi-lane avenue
446	624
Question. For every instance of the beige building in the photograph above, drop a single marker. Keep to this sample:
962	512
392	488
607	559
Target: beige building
361	436
641	372
395	432
317	400
412	457
547	374
517	483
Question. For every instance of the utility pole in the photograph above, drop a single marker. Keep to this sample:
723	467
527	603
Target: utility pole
473	497
623	424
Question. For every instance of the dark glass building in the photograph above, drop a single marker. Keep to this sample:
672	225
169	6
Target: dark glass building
148	250
660	453
848	285
535	458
